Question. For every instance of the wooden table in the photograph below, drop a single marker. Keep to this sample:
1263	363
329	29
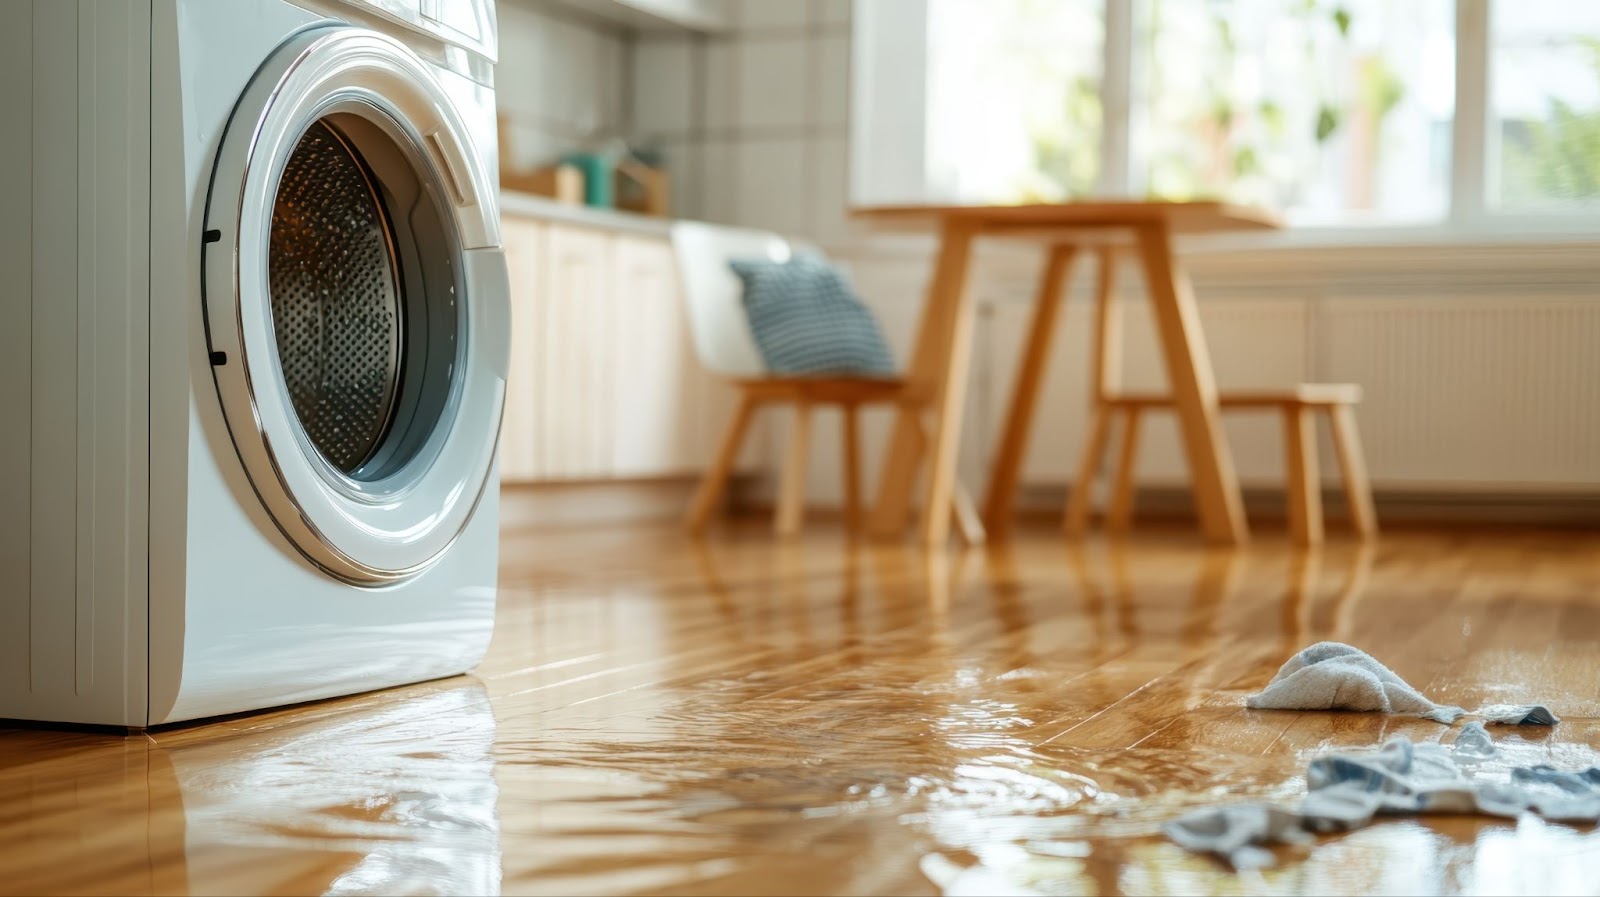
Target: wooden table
943	351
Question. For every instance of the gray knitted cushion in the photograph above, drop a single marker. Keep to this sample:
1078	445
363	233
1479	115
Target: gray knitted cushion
807	320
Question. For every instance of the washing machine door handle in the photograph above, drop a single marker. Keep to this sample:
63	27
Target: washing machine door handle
489	289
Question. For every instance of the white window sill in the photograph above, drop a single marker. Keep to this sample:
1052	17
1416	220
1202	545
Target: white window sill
1502	231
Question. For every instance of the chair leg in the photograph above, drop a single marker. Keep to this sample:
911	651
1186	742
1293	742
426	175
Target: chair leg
1304	486
1077	516
852	469
791	508
706	498
968	523
1353	469
1120	517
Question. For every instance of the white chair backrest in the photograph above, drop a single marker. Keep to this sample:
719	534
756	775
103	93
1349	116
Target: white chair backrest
715	295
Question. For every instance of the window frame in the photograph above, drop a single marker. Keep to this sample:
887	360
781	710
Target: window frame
1469	212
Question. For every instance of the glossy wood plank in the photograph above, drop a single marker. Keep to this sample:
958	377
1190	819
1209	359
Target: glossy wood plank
743	715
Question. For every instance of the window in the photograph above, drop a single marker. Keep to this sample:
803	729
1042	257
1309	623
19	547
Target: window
1331	111
1545	97
1017	90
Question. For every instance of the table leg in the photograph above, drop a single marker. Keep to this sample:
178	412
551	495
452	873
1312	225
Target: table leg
1194	389
940	359
938	507
1006	467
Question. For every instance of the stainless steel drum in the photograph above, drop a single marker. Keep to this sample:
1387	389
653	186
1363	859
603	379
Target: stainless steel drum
337	312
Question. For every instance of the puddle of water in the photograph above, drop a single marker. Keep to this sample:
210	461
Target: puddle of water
879	776
857	745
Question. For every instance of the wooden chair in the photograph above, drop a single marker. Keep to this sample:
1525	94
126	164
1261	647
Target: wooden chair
1298	406
722	340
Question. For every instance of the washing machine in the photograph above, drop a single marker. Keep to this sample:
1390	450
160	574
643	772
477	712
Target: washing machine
253	351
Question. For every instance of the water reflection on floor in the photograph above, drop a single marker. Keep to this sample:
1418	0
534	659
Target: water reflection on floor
748	717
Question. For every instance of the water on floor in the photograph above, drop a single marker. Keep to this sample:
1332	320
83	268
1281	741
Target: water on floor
746	717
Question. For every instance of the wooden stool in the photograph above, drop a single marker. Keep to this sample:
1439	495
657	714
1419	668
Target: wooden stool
1298	405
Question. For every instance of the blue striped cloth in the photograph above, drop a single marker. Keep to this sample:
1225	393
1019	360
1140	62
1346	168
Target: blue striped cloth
807	320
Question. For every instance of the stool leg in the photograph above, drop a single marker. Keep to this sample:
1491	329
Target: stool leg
1077	516
1305	486
1120	517
791	509
1353	468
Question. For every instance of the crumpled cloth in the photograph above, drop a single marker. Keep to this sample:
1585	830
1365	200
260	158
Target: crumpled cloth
1346	790
1474	743
1519	714
1335	676
1238	833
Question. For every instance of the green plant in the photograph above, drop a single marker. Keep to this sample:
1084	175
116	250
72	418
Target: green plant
1558	158
1066	151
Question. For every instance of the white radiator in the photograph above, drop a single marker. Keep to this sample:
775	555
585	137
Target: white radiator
1495	392
1478	394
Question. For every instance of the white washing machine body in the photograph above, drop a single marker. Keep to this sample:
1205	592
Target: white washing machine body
314	510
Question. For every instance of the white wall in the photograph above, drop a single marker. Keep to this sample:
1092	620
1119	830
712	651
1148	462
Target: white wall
1479	362
562	81
753	122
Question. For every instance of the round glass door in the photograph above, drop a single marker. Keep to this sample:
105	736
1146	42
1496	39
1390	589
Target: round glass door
356	304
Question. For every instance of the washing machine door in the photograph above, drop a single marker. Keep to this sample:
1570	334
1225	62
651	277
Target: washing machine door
356	303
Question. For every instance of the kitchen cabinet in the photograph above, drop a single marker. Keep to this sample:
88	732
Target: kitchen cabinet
575	322
603	383
523	240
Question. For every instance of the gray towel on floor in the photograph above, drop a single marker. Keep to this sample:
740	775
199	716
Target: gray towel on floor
1473	743
1519	714
1239	833
1334	676
1346	790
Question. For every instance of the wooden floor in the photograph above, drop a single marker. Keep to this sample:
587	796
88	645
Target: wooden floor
745	717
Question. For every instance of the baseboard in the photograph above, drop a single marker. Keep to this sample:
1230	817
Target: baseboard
618	501
1397	506
597	501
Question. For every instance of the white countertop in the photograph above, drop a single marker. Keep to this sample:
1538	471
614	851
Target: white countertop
528	205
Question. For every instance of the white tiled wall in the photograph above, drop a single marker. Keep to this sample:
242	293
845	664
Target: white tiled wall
753	125
562	82
753	122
